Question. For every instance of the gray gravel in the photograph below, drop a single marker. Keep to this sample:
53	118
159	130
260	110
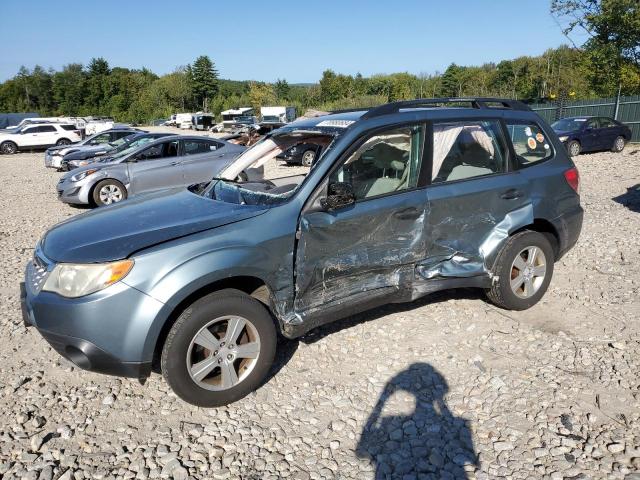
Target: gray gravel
447	387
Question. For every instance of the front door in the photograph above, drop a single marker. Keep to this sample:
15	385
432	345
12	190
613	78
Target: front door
157	166
368	249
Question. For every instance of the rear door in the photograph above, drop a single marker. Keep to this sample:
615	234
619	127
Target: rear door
157	166
609	132
199	159
476	198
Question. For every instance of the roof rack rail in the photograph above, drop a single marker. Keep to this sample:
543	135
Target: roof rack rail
475	102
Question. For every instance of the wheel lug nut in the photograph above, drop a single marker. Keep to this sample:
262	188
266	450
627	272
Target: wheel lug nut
215	353
219	360
229	357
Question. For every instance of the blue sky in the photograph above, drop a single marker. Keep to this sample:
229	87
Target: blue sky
266	40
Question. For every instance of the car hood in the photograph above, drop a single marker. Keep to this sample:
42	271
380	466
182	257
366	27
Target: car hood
116	231
82	152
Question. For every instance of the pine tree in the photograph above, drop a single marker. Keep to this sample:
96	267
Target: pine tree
204	79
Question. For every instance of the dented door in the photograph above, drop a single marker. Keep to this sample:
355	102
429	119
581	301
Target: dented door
360	252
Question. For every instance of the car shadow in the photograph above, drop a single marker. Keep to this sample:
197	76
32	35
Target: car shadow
389	309
630	199
429	441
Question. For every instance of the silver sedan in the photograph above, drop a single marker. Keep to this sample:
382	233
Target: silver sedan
168	162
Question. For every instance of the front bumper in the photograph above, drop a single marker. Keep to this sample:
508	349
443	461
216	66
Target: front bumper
104	332
74	192
52	160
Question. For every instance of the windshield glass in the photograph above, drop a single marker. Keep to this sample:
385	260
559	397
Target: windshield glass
126	149
568	124
270	171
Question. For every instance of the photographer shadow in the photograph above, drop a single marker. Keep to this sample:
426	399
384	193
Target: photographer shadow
430	441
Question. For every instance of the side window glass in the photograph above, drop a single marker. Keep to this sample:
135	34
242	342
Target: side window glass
466	150
529	142
150	153
104	138
195	147
385	163
47	129
593	123
606	123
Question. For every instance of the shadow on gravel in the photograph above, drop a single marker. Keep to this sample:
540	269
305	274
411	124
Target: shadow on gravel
430	441
631	199
348	322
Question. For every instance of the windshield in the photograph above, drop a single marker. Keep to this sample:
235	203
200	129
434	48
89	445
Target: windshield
126	149
268	172
568	124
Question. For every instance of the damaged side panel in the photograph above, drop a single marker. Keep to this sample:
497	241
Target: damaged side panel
401	247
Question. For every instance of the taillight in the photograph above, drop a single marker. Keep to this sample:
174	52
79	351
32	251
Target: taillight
573	178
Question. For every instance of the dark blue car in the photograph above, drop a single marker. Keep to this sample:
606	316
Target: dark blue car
589	134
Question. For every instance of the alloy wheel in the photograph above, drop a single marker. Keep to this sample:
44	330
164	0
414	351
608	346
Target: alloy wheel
575	149
8	148
110	194
619	145
223	353
528	271
308	157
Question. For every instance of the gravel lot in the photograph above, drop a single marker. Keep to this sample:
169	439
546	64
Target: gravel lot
447	387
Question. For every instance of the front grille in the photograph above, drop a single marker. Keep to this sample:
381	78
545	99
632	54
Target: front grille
37	272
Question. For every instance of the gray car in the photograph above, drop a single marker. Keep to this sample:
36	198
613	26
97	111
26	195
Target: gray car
405	199
169	162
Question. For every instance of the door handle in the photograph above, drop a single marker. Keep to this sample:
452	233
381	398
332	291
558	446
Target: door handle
409	213
511	194
173	164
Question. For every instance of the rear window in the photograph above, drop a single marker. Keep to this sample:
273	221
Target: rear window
68	127
529	142
194	147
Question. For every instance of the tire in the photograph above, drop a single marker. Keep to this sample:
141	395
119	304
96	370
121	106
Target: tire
101	195
506	269
63	141
574	148
8	148
181	353
618	144
308	157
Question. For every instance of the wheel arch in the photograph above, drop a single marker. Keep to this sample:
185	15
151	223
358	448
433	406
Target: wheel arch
546	228
251	285
99	180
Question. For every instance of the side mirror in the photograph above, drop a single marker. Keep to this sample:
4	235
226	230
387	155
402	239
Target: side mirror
339	195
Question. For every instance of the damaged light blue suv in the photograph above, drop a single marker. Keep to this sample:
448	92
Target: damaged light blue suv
406	199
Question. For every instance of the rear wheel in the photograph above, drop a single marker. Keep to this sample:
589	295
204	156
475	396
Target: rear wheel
8	148
574	148
109	191
524	269
220	349
63	141
618	144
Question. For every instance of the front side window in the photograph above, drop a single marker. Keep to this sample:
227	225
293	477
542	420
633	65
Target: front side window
385	163
529	142
468	149
162	150
195	147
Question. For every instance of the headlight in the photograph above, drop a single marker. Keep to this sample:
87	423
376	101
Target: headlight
79	176
564	138
76	280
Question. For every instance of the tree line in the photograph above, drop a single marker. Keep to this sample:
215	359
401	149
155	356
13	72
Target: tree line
607	62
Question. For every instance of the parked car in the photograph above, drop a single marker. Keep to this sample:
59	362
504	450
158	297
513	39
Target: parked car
98	144
407	198
304	154
121	147
176	161
38	136
588	134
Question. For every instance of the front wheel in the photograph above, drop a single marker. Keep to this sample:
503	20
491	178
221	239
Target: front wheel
8	148
618	145
524	269
63	141
109	191
574	148
220	349
308	158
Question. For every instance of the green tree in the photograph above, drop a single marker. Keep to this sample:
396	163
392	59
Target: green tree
204	80
260	95
613	37
282	89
